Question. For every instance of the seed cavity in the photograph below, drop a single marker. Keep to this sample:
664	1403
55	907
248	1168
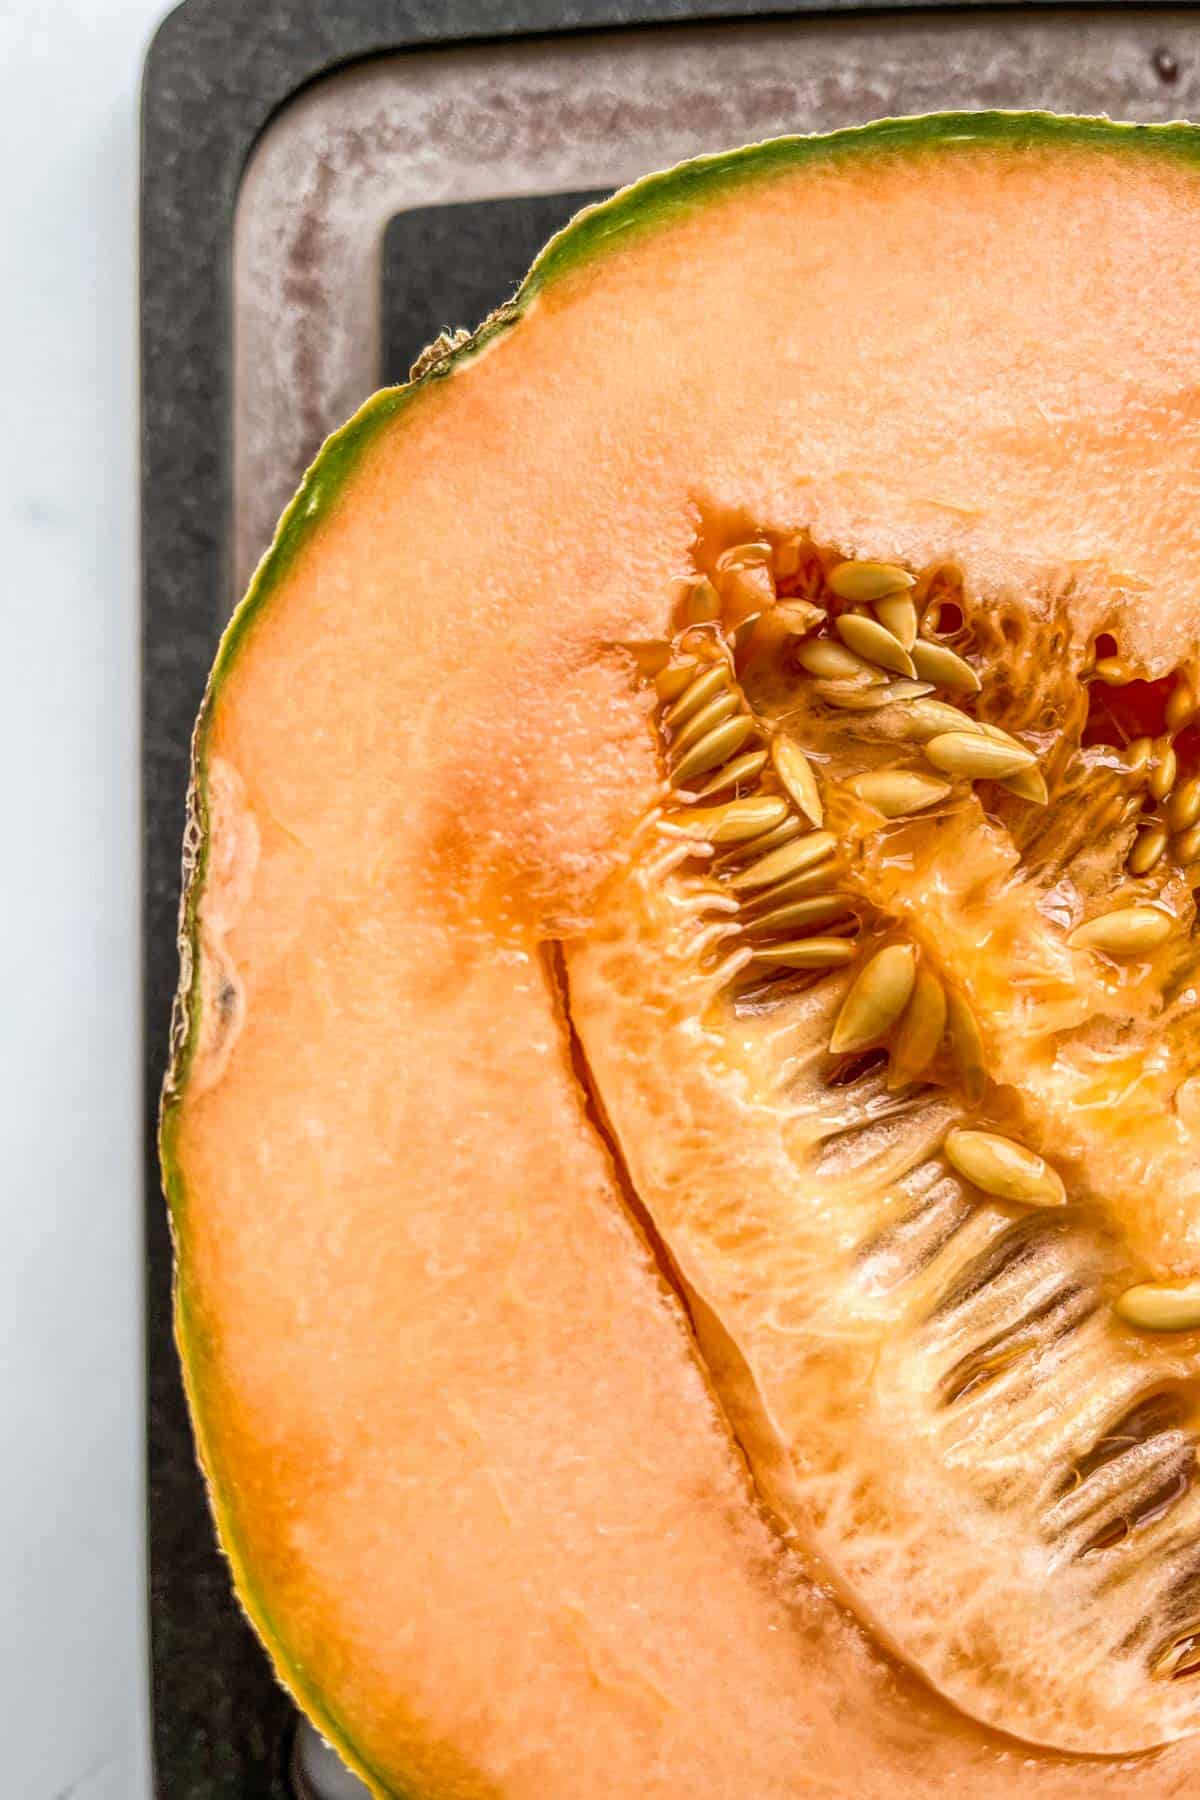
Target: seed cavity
1151	1307
1004	1168
876	999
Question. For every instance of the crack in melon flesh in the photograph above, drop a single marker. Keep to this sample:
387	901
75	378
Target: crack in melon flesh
682	1137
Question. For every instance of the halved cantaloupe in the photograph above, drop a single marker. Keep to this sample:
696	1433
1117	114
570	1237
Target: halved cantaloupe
682	1139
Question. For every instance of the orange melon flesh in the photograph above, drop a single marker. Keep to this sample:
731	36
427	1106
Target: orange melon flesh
468	1465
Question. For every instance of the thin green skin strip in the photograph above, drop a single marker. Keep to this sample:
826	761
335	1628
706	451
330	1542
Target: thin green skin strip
655	200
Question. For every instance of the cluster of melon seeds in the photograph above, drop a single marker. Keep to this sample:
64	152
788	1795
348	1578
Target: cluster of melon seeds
808	702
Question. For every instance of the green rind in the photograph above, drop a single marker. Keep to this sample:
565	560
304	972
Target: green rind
653	201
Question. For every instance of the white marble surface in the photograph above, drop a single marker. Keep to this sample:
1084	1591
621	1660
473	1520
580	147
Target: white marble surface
72	1640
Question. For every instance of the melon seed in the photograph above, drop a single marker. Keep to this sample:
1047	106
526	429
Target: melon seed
833	662
875	643
795	915
790	859
941	665
966	1046
1183	808
1113	671
898	615
1151	1307
1166	766
920	1030
672	682
735	822
857	581
795	772
703	602
877	997
720	744
1181	704
1002	1167
1148	847
925	719
1129	931
895	792
1179	1660
854	696
747	588
650	654
738	773
1027	784
741	554
901	688
800	616
807	953
975	756
771	840
721	706
807	884
1138	754
1187	845
698	693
